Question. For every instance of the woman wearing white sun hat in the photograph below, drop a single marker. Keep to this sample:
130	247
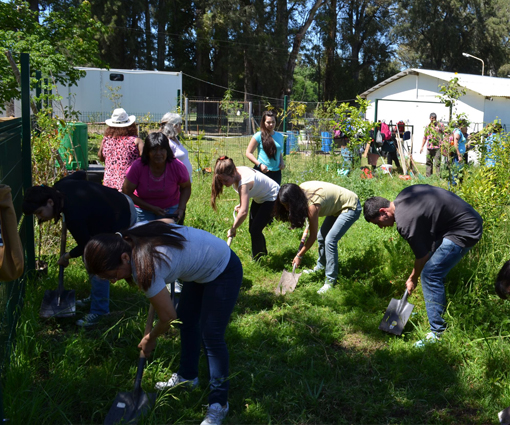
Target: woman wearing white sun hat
119	148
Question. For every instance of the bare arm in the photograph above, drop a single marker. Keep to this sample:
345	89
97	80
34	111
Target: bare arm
423	143
100	155
456	139
129	188
313	220
162	303
185	193
242	208
250	150
139	144
282	163
412	280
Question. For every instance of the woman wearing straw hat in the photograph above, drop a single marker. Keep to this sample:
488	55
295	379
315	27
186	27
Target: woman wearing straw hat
119	148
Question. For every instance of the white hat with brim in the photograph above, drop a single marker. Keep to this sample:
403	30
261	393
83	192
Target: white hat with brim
120	118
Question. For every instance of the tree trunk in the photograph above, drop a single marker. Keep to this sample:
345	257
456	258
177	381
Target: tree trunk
288	80
148	36
162	17
330	47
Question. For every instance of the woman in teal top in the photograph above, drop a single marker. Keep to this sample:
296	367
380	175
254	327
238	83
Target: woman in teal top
458	150
270	146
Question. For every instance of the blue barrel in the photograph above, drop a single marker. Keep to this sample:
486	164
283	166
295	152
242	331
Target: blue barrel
326	141
292	142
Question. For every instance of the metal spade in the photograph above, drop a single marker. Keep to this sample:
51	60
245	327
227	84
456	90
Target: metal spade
396	316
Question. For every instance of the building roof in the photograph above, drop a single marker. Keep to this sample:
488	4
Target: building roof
481	84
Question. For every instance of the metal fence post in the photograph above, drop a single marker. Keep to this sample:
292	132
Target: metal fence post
186	114
250	116
26	159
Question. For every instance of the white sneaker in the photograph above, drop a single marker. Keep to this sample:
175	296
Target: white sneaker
176	380
325	288
314	270
215	414
430	338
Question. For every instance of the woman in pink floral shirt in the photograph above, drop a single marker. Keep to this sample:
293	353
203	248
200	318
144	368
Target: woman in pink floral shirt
120	148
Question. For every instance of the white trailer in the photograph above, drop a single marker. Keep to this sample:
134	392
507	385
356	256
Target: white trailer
139	92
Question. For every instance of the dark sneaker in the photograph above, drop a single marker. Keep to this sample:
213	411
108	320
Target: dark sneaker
89	320
84	302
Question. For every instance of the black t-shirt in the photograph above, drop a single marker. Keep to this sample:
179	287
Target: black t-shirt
91	208
426	214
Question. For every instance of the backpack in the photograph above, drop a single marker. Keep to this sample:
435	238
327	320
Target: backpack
401	125
385	130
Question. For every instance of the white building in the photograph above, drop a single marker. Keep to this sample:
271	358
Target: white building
411	96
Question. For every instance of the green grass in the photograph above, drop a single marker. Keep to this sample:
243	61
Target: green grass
294	359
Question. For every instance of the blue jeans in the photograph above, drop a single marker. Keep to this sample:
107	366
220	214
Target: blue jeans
99	295
331	231
205	309
144	215
457	167
432	279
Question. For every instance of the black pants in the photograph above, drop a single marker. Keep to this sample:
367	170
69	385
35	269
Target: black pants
273	175
260	217
392	157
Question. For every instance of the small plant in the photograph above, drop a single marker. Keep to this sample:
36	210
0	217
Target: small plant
233	109
113	94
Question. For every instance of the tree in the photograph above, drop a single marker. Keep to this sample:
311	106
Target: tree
60	42
433	34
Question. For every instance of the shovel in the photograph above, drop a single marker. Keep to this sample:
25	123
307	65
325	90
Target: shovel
229	240
288	281
129	406
59	303
396	316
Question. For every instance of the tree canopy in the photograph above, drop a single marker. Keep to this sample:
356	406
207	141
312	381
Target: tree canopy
57	41
312	50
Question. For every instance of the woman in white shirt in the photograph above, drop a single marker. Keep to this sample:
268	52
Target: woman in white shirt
248	183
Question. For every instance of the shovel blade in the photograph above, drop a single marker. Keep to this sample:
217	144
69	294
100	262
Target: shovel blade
129	406
288	281
394	321
55	304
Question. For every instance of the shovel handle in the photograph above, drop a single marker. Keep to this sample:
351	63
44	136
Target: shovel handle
304	236
142	359
63	240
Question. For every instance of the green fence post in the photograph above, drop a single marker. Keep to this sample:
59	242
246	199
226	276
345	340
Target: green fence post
26	150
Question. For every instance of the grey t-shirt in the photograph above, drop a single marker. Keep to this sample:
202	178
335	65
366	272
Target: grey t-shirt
203	258
426	214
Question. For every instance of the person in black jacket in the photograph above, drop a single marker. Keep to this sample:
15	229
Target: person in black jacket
88	209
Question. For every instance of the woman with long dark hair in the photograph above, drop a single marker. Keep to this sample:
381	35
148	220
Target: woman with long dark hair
156	253
158	184
88	209
311	200
270	146
248	183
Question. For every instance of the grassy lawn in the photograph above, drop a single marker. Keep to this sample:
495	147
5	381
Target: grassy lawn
294	359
